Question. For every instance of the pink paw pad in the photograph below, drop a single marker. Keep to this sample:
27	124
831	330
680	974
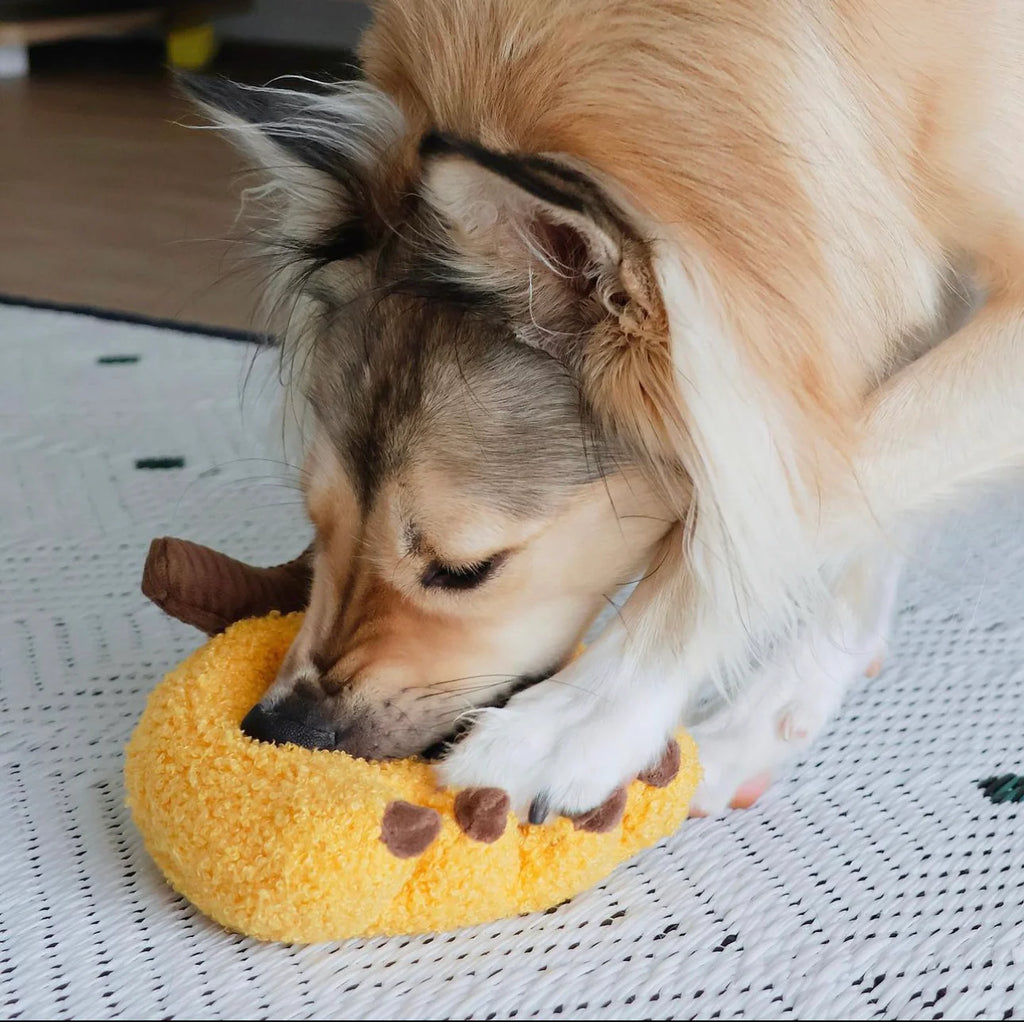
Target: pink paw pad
750	791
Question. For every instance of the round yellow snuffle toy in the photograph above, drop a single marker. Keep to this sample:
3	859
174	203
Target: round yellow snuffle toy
292	844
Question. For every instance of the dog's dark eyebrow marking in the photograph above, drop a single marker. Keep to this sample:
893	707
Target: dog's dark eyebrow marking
571	189
513	167
547	166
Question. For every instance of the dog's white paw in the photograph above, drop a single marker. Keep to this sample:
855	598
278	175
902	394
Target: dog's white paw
748	745
784	709
789	700
556	749
738	767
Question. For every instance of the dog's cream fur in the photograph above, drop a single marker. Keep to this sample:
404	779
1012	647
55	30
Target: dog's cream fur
807	173
804	181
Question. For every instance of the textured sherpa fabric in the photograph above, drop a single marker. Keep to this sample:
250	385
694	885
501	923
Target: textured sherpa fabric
284	843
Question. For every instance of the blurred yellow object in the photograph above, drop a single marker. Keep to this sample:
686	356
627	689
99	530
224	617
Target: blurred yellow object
191	49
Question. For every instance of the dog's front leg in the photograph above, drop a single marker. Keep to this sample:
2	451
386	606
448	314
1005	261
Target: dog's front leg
952	418
564	745
949	420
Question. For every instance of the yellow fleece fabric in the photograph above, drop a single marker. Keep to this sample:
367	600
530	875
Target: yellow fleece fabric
283	843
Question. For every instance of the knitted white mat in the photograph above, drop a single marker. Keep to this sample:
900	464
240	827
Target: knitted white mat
876	881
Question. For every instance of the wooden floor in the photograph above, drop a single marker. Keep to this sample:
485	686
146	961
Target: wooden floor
105	200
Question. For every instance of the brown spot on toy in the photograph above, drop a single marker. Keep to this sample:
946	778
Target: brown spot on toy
664	771
482	813
605	817
408	829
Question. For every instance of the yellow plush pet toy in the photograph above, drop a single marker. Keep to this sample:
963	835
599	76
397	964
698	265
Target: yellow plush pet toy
299	845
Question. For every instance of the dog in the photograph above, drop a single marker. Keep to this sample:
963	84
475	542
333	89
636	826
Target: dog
588	293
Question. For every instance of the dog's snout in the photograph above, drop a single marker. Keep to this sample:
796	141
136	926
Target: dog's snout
295	720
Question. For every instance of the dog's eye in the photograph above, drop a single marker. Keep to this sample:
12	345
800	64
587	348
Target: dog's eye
463	576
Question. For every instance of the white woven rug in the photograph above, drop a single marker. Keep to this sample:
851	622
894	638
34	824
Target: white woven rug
877	881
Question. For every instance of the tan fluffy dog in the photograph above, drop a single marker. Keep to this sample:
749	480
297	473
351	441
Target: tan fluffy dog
586	290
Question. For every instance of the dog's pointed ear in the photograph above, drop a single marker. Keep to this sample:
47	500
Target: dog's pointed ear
277	126
539	231
324	148
577	274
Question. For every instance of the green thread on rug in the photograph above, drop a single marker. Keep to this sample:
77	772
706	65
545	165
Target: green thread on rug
1004	788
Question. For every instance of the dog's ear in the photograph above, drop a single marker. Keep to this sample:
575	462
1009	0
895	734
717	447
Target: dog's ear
543	234
539	231
323	150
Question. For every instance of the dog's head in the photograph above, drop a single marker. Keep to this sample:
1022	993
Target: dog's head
457	324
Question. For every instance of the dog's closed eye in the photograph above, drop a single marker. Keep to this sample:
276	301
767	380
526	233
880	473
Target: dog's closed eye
463	576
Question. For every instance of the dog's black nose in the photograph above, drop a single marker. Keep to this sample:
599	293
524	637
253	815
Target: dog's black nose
294	721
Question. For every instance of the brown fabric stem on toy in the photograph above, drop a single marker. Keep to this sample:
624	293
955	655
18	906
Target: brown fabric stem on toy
210	590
